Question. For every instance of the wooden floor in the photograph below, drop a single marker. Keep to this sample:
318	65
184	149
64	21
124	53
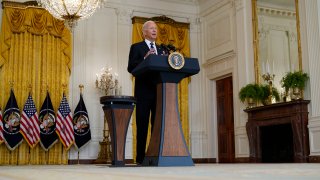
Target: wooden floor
199	171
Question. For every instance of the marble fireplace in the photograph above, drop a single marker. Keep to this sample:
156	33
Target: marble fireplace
281	128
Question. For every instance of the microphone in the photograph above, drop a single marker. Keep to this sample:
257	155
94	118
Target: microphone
171	47
165	47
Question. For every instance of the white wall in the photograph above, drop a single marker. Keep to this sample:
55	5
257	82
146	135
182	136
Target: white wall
310	42
227	51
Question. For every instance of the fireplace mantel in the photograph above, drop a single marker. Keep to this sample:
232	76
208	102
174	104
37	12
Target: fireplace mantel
293	112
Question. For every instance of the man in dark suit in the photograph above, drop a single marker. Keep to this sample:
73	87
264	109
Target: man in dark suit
145	87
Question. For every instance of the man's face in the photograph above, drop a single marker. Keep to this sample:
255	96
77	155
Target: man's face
150	32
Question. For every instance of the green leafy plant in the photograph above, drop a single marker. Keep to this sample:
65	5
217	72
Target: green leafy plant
295	79
250	91
266	93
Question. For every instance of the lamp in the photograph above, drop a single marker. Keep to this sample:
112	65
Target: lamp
71	10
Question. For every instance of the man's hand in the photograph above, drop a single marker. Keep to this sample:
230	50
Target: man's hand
152	51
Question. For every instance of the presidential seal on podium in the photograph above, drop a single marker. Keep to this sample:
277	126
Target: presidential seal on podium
176	60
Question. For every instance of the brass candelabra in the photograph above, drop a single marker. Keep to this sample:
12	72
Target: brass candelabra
105	153
269	79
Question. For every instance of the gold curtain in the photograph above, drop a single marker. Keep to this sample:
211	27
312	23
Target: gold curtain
35	50
175	33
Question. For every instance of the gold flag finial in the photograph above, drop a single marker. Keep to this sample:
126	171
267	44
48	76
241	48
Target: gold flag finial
11	83
81	86
30	89
64	87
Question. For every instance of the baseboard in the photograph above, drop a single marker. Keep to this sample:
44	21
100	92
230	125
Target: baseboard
242	160
195	160
204	160
93	161
81	161
214	160
314	159
129	161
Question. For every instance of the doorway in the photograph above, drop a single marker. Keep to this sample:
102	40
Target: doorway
225	121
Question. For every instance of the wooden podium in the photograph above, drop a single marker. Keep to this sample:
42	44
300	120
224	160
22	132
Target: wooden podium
167	145
117	111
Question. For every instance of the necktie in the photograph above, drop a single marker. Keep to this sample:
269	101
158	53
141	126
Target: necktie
151	46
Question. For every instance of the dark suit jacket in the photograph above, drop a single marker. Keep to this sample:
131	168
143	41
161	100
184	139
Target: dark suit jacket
145	87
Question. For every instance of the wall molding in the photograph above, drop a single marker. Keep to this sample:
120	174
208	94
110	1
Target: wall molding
314	159
218	32
216	7
276	12
314	122
151	10
221	57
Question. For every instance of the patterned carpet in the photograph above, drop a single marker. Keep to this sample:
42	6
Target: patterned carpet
199	171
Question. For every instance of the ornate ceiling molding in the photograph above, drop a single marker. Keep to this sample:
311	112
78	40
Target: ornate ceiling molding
189	2
161	19
19	4
276	12
124	15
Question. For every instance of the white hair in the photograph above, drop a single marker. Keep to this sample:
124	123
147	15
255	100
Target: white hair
144	26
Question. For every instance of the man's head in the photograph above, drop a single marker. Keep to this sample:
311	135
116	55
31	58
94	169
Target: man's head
149	30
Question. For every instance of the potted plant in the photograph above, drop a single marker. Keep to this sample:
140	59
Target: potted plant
266	97
295	81
250	93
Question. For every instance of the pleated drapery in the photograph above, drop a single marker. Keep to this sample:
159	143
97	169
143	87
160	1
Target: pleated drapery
35	50
177	34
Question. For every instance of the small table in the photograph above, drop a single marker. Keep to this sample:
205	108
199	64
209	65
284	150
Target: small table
117	112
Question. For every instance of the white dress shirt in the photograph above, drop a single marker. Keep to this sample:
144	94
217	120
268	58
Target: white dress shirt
154	45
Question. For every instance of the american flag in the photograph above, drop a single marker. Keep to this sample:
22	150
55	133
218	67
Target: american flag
64	124
1	128
29	126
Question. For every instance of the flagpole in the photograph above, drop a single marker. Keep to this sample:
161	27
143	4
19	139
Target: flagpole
10	159
30	89
29	159
78	156
30	93
81	86
46	154
64	87
11	88
18	157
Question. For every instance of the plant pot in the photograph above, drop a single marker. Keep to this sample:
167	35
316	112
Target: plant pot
251	102
296	93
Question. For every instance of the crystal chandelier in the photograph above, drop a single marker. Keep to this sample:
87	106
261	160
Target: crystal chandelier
70	11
